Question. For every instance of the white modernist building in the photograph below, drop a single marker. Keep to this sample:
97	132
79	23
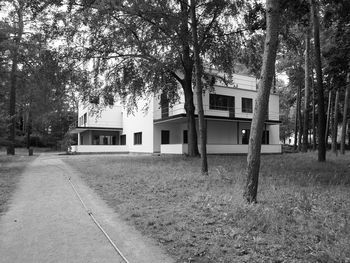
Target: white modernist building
162	128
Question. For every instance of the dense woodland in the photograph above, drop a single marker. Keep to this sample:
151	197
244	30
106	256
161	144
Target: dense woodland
55	52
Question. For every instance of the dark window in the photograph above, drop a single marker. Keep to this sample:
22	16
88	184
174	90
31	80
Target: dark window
94	99
114	140
265	138
221	102
85	119
109	99
138	138
164	105
185	136
123	139
96	140
165	137
247	105
245	136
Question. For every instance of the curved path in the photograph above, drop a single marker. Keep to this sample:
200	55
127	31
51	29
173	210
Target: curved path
46	222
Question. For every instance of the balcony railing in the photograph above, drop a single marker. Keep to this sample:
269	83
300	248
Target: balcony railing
230	112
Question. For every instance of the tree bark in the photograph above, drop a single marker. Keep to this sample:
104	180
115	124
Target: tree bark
296	130
300	122
313	115
262	99
345	112
297	136
335	124
320	97
329	107
187	83
307	88
199	91
13	83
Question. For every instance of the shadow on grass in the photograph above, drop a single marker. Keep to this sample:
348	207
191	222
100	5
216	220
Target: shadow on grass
302	214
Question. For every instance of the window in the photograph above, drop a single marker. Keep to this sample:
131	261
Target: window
185	136
94	99
123	139
85	119
164	105
247	105
165	137
109	99
96	140
245	136
221	102
137	138
265	138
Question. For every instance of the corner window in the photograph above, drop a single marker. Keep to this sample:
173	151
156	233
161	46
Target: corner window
247	105
137	138
221	102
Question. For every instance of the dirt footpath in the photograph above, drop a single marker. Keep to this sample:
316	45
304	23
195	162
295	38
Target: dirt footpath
46	222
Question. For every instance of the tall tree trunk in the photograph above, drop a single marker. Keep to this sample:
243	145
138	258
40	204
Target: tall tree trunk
329	107
297	136
13	83
199	91
335	124
187	83
296	129
29	128
313	115
307	88
345	112
262	100
320	97
300	124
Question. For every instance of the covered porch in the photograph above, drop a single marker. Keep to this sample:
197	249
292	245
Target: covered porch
224	136
98	140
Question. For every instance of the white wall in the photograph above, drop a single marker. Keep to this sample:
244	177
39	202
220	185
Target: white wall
176	132
99	148
274	135
139	121
244	87
108	117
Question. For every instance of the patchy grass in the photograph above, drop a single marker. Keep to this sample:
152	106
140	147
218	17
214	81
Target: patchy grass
11	168
303	214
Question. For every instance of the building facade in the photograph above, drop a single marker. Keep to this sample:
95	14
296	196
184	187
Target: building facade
162	128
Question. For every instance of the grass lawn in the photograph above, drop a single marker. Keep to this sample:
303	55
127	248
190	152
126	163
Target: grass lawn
303	214
11	168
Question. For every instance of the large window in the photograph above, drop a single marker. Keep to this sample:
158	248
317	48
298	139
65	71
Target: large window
165	137
245	136
221	102
138	138
185	136
265	138
247	105
123	139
